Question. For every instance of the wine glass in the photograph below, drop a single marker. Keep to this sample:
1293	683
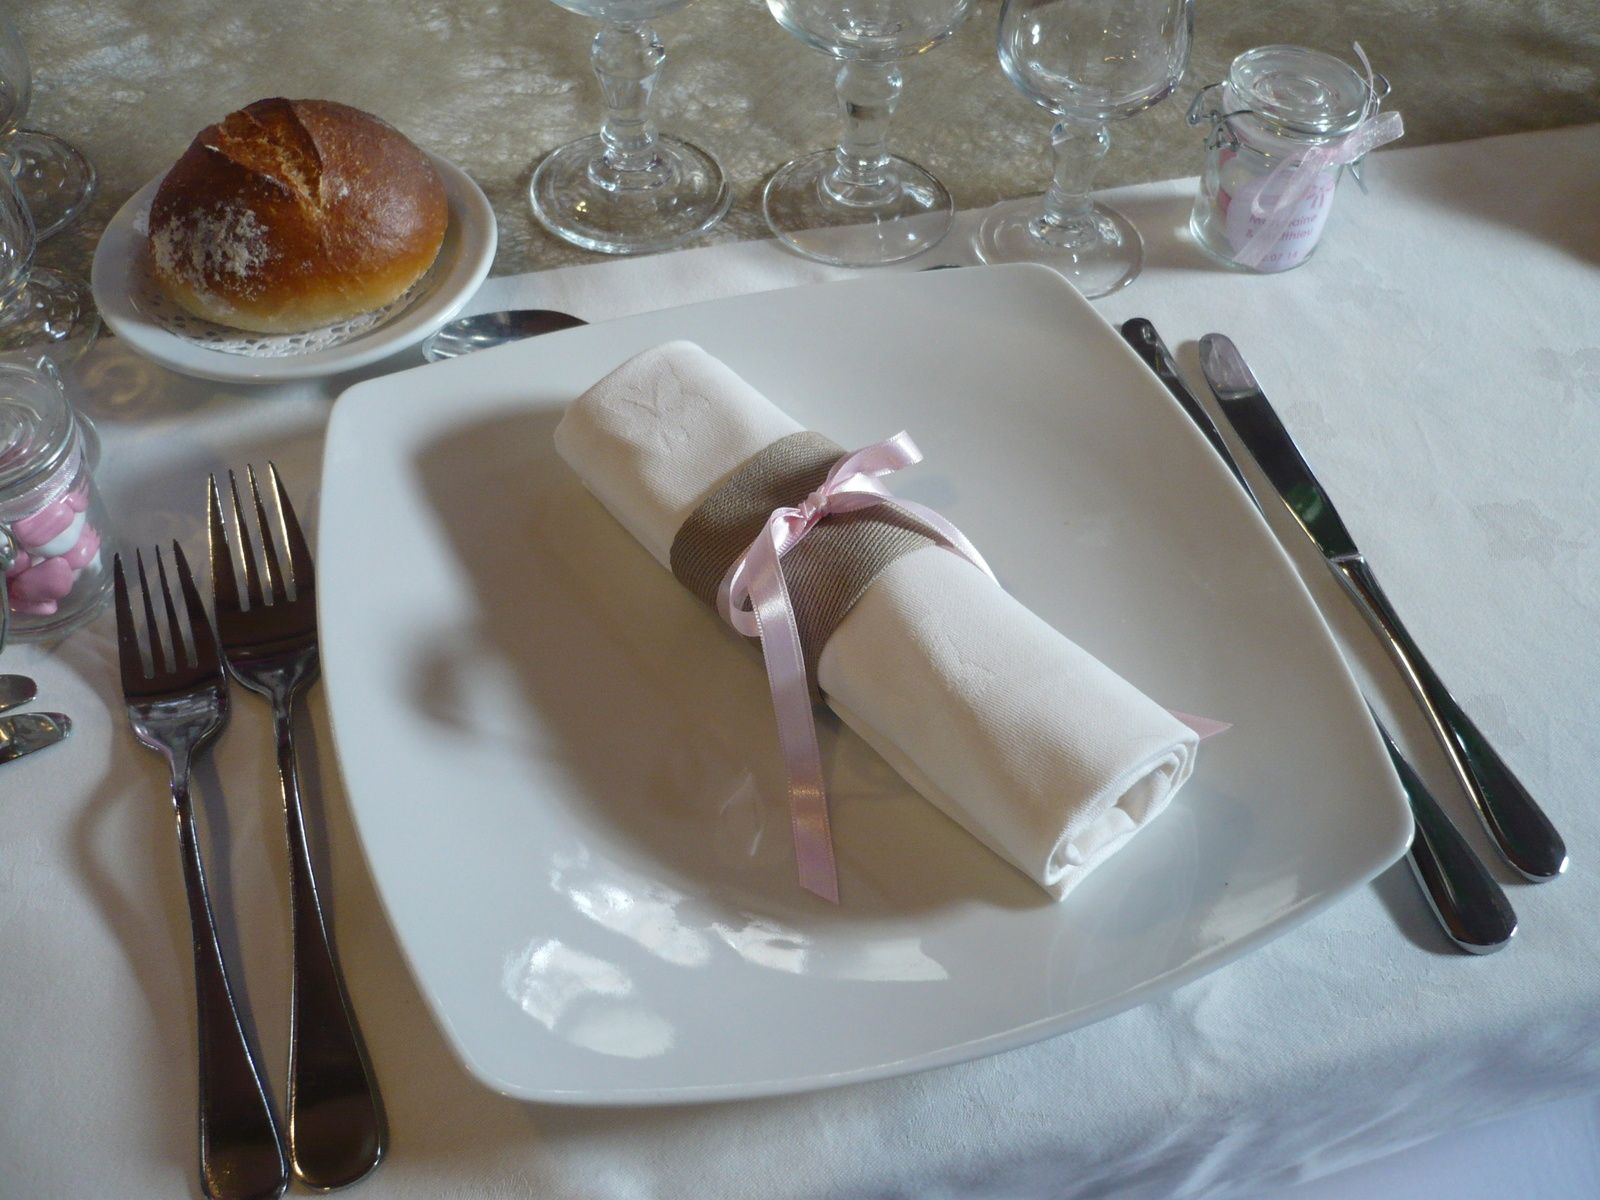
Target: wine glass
57	181
627	189
39	310
1088	62
857	205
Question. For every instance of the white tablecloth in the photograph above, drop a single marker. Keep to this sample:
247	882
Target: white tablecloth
1440	362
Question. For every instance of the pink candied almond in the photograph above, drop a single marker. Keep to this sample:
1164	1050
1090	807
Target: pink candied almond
83	552
45	524
46	581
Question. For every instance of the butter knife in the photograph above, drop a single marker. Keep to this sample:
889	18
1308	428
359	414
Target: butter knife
1470	906
23	733
1514	820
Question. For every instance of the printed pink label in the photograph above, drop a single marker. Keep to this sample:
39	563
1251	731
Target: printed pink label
1240	219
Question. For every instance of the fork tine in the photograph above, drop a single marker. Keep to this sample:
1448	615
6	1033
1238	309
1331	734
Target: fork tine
174	633
280	594
252	578
224	585
132	664
158	665
293	538
205	642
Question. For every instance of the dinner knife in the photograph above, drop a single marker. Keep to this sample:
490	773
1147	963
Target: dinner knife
1514	820
1470	906
23	733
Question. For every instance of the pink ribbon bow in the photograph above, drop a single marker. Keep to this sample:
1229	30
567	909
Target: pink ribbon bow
754	599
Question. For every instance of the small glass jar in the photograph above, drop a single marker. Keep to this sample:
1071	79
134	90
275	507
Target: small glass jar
58	575
1278	124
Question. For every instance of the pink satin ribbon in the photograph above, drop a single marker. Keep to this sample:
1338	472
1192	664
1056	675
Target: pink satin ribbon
754	599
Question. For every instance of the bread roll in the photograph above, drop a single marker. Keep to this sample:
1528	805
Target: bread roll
294	214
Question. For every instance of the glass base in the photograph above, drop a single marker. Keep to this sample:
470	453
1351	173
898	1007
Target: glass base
577	197
56	181
802	209
1100	259
52	315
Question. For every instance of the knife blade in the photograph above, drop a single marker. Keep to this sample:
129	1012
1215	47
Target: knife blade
1519	827
1469	905
24	733
16	690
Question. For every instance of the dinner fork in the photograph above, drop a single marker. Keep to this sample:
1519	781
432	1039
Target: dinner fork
336	1127
176	708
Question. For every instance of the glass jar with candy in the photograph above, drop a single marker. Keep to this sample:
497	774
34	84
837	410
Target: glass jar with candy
53	526
1283	126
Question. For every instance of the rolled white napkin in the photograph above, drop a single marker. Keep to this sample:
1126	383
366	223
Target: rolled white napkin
1025	740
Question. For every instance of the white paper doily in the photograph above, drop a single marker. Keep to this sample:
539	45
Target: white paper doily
150	300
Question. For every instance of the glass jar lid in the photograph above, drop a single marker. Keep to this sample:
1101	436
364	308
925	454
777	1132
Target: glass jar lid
1298	92
37	428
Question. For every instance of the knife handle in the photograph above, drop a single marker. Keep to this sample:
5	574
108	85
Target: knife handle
1514	820
1470	905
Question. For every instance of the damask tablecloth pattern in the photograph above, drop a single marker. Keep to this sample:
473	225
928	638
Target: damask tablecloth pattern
1438	360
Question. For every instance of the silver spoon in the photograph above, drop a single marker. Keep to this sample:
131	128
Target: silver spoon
487	330
467	334
16	690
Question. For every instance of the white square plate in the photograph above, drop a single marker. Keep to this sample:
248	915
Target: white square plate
564	770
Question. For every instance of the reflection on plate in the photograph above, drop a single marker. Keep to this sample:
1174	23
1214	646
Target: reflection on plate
135	309
563	769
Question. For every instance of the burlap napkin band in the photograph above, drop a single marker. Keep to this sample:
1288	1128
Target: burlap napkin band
828	571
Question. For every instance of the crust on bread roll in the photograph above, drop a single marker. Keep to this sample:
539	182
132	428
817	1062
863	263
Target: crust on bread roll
293	214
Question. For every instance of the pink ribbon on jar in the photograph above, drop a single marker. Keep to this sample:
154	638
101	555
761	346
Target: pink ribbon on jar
1297	175
754	599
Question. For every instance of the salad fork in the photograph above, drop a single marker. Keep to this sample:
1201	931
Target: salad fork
269	639
176	708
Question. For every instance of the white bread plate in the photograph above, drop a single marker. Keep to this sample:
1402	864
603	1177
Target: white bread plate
118	280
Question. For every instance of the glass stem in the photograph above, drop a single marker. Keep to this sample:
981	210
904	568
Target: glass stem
868	93
14	273
1068	217
13	286
627	60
